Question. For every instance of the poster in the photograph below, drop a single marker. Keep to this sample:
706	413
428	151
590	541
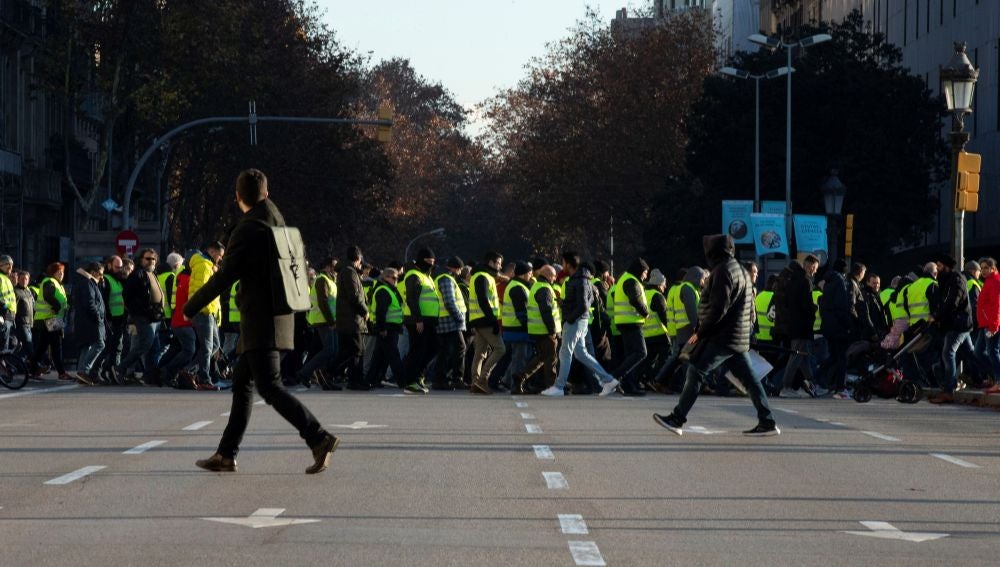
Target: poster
810	236
769	235
736	220
772	207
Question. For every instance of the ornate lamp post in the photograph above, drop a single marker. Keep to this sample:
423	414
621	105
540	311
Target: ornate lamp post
833	204
958	83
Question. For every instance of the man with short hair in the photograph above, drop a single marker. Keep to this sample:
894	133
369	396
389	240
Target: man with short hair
204	264
514	319
144	303
111	290
954	317
484	320
25	310
988	319
88	320
544	324
263	333
449	370
794	319
322	317
421	308
352	317
8	298
386	316
631	310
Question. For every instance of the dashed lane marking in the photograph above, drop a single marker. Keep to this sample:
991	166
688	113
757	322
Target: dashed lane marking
39	391
260	403
75	475
532	428
555	480
787	410
224	414
543	452
140	449
586	553
527	416
954	460
521	404
572	524
197	425
881	436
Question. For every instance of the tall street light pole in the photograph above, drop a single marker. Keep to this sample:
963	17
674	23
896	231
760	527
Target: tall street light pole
438	232
775	43
742	74
958	82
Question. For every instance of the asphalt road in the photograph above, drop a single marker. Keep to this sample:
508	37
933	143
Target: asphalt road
452	479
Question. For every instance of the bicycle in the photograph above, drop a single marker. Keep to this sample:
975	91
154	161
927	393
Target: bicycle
13	368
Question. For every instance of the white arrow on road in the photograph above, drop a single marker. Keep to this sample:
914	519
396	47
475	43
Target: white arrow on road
885	530
358	425
263	518
703	431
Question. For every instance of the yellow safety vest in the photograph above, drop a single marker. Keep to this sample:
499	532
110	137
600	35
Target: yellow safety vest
973	283
885	295
896	308
395	312
7	295
917	306
677	317
765	315
459	298
316	316
818	322
428	294
625	313
43	310
536	325
169	292
653	327
508	317
116	302
475	311
234	311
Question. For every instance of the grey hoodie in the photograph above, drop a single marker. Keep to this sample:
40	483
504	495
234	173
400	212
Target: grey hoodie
694	276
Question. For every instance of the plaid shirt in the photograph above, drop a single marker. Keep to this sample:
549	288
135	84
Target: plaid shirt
449	324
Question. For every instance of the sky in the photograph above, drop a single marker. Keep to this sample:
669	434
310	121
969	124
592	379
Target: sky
472	47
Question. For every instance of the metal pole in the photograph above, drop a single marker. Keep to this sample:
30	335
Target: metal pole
612	235
756	147
788	149
959	138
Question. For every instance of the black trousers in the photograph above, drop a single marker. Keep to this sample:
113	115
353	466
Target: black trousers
634	354
47	341
350	357
422	349
657	353
450	365
262	368
386	355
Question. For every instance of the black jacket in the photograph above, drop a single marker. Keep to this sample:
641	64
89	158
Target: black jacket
88	310
519	299
579	296
482	295
835	308
877	316
352	307
725	314
247	261
794	311
137	294
953	312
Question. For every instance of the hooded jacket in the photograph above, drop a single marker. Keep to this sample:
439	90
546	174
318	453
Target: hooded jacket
413	293
794	311
579	296
689	297
835	307
953	312
988	306
725	314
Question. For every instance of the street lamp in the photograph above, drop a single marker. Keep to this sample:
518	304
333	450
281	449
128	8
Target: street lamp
958	82
833	204
438	232
775	43
741	74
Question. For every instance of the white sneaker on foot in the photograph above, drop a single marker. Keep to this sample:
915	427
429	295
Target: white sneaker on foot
608	387
553	391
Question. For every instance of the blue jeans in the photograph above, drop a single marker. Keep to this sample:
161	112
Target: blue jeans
328	337
142	346
711	357
574	345
23	334
991	350
520	353
207	331
186	337
88	356
949	350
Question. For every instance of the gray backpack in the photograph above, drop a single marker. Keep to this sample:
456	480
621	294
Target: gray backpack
290	281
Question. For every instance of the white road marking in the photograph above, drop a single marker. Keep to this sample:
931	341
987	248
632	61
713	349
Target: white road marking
521	404
75	475
786	410
39	391
263	518
881	436
572	524
543	452
224	414
703	431
821	419
527	416
885	530
586	553
555	480
140	449
838	423
197	425
260	403
954	460
532	428
357	425
393	396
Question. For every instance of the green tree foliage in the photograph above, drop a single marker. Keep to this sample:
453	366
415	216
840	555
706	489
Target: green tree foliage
855	108
598	130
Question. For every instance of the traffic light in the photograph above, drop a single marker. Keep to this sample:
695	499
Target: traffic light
967	182
384	133
849	237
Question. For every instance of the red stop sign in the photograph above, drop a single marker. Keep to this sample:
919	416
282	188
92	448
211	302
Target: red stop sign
127	242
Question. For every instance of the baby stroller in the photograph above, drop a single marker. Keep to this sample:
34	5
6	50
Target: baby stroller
878	369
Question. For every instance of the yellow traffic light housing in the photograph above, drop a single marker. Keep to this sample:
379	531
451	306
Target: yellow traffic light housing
849	237
967	171
383	133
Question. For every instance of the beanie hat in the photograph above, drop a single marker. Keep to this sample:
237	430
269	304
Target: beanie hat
656	278
425	253
521	268
453	262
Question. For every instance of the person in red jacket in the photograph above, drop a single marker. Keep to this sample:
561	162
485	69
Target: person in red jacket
183	330
988	317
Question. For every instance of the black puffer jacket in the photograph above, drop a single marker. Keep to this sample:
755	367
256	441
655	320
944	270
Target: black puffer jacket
953	312
794	311
835	307
725	314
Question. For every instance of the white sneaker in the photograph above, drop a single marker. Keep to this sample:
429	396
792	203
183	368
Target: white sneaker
553	392
789	393
608	387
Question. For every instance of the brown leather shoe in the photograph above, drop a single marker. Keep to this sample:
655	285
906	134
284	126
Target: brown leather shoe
480	388
322	453
217	463
83	379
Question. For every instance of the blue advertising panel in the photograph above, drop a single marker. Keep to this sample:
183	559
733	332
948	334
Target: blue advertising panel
736	220
769	233
810	236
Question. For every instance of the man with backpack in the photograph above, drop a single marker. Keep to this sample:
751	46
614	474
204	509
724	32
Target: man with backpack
264	330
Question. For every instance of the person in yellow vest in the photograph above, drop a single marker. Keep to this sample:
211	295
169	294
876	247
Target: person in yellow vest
25	310
50	312
168	283
449	370
421	308
484	320
8	299
204	265
514	319
682	321
114	302
600	327
654	330
322	318
765	312
386	317
544	325
629	300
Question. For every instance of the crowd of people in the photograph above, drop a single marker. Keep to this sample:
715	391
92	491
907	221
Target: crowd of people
524	327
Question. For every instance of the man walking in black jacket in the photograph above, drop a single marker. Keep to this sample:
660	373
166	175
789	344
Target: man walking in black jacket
263	333
794	318
954	316
352	317
144	304
723	337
